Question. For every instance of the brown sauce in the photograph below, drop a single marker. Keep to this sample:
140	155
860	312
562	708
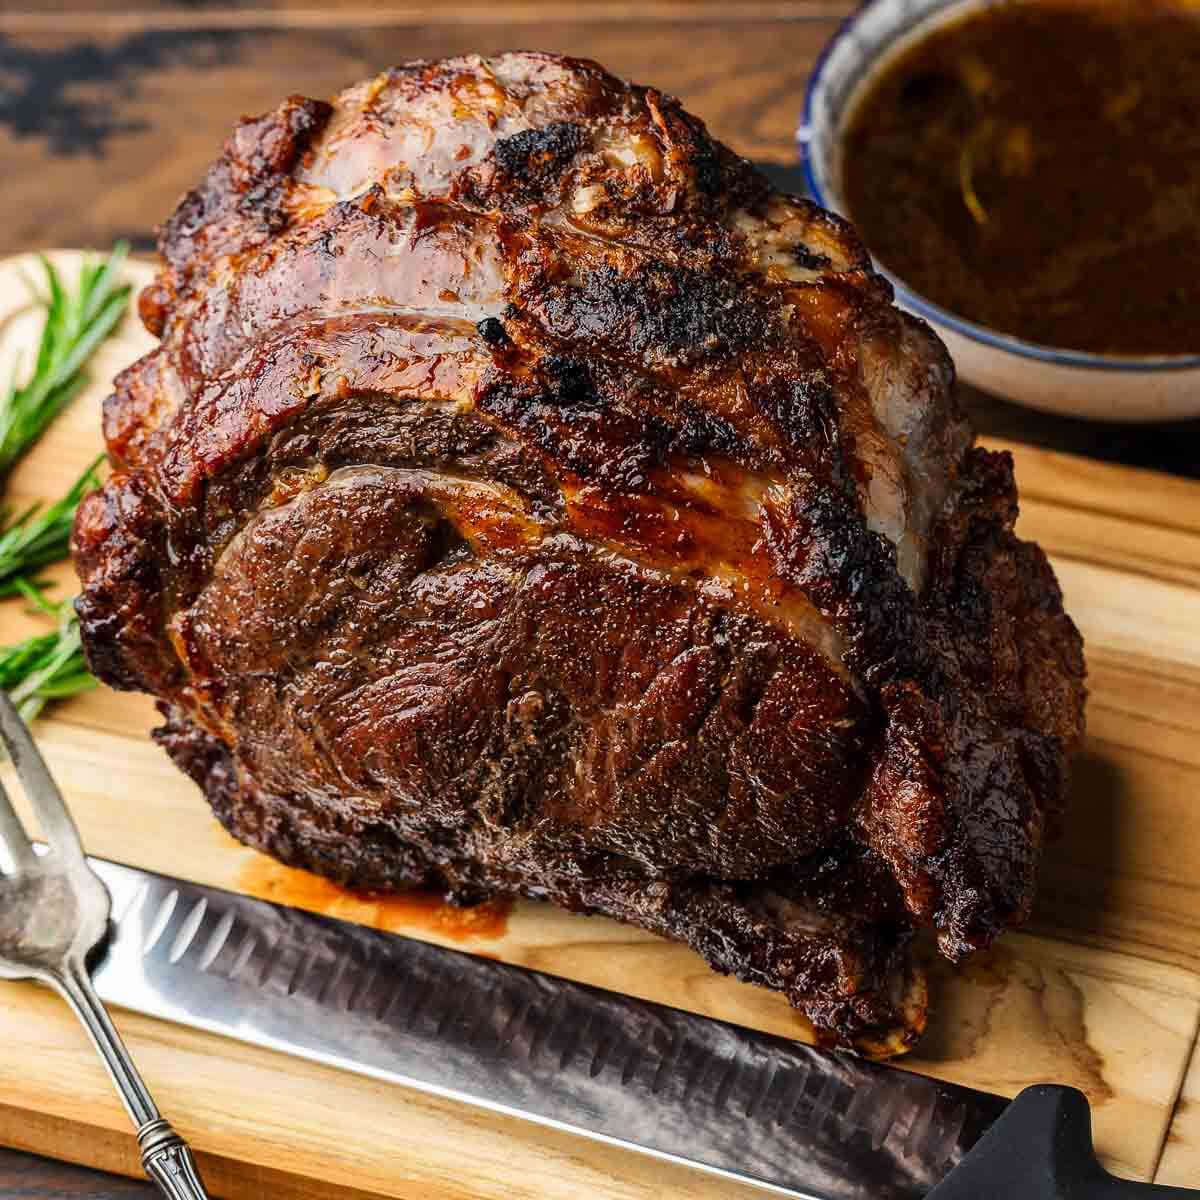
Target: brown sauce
1035	168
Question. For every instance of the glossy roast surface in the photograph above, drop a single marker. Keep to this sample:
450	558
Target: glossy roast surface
525	498
1034	166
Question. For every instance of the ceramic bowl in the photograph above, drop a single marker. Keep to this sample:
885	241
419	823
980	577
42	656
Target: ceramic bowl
1103	387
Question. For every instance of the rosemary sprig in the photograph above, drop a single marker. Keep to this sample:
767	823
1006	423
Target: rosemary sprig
76	323
35	539
48	666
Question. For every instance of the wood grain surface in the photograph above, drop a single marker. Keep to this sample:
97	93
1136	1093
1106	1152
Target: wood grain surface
1180	1162
1103	992
110	109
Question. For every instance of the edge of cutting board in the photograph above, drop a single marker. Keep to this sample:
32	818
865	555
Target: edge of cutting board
1103	992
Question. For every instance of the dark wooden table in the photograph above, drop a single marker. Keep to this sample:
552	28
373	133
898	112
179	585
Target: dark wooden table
109	110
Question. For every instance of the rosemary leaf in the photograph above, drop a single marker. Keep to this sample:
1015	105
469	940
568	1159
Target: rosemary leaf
51	666
48	666
76	323
35	539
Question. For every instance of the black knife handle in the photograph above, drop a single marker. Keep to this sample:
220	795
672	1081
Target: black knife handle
1041	1149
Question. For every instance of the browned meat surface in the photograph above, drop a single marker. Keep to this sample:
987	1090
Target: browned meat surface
524	498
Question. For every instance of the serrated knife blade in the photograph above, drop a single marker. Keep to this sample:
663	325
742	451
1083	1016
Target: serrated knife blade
718	1097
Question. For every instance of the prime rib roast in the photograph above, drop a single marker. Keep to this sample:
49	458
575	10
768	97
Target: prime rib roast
525	498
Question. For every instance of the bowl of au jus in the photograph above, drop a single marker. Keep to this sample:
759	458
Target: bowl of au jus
1027	174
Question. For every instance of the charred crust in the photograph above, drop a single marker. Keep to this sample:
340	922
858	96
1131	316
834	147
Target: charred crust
705	161
568	381
658	314
257	158
810	260
805	408
702	432
821	545
571	426
973	782
526	161
239	203
492	330
117	544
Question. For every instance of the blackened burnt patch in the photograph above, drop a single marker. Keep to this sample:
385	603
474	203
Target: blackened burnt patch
704	432
659	314
492	330
533	157
810	260
559	410
706	164
805	408
821	544
568	381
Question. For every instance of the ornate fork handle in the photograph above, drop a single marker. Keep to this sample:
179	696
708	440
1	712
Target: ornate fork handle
166	1157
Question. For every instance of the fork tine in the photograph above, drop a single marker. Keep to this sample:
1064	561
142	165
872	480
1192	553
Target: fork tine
13	837
35	777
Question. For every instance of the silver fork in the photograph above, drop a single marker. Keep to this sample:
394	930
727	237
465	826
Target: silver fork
53	913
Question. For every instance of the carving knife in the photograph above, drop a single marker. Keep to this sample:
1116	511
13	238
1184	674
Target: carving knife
763	1110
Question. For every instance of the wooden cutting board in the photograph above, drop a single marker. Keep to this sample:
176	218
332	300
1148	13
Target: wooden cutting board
1102	991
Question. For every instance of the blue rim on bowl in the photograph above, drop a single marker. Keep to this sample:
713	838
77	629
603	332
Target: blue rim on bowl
909	299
